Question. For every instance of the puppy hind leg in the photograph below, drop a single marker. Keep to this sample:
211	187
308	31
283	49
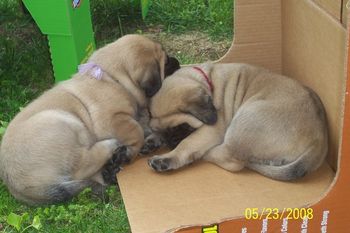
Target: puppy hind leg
222	156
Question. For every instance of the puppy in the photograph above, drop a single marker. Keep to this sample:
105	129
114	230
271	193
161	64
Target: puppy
244	116
57	145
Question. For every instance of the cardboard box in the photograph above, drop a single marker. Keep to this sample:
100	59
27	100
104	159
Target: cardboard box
303	39
67	24
334	8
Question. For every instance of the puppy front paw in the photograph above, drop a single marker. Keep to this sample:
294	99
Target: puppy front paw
160	164
152	143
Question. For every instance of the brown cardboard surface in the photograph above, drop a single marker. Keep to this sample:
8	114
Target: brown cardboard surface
261	54
345	12
313	48
257	34
333	7
203	194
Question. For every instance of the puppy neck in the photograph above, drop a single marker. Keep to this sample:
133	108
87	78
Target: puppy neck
202	75
206	78
122	77
132	88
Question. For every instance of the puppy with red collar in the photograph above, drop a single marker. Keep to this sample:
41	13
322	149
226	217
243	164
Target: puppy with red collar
243	116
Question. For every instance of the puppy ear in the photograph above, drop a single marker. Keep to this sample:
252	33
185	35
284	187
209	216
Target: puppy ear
204	110
171	66
152	82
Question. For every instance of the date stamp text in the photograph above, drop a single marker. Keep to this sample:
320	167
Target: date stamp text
276	213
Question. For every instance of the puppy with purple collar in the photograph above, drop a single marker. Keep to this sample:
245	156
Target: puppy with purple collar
242	116
58	144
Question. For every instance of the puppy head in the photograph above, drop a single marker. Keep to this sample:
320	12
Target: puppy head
152	79
183	99
139	59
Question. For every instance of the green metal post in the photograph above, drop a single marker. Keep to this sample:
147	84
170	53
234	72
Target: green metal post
67	24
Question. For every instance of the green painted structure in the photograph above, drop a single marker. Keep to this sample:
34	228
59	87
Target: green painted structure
67	24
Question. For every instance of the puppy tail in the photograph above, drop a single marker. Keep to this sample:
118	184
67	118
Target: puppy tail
304	164
65	191
287	172
55	193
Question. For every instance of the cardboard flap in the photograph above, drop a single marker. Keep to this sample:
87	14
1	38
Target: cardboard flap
333	7
204	194
257	34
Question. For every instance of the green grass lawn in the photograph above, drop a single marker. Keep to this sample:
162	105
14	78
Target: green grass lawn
192	30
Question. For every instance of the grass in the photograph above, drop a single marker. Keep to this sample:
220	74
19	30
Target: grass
192	30
212	17
25	68
85	213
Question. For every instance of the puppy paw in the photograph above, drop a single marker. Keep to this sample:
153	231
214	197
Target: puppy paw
121	155
109	172
160	164
152	142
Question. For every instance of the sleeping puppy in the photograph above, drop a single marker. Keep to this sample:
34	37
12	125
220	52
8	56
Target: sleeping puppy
57	145
244	116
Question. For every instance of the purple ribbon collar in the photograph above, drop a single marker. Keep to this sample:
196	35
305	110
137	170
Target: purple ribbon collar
92	68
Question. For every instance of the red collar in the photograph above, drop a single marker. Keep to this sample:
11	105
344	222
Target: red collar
205	76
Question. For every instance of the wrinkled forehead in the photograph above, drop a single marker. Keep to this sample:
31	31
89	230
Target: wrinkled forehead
167	99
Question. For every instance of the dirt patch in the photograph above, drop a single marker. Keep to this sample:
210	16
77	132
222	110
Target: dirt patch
192	47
